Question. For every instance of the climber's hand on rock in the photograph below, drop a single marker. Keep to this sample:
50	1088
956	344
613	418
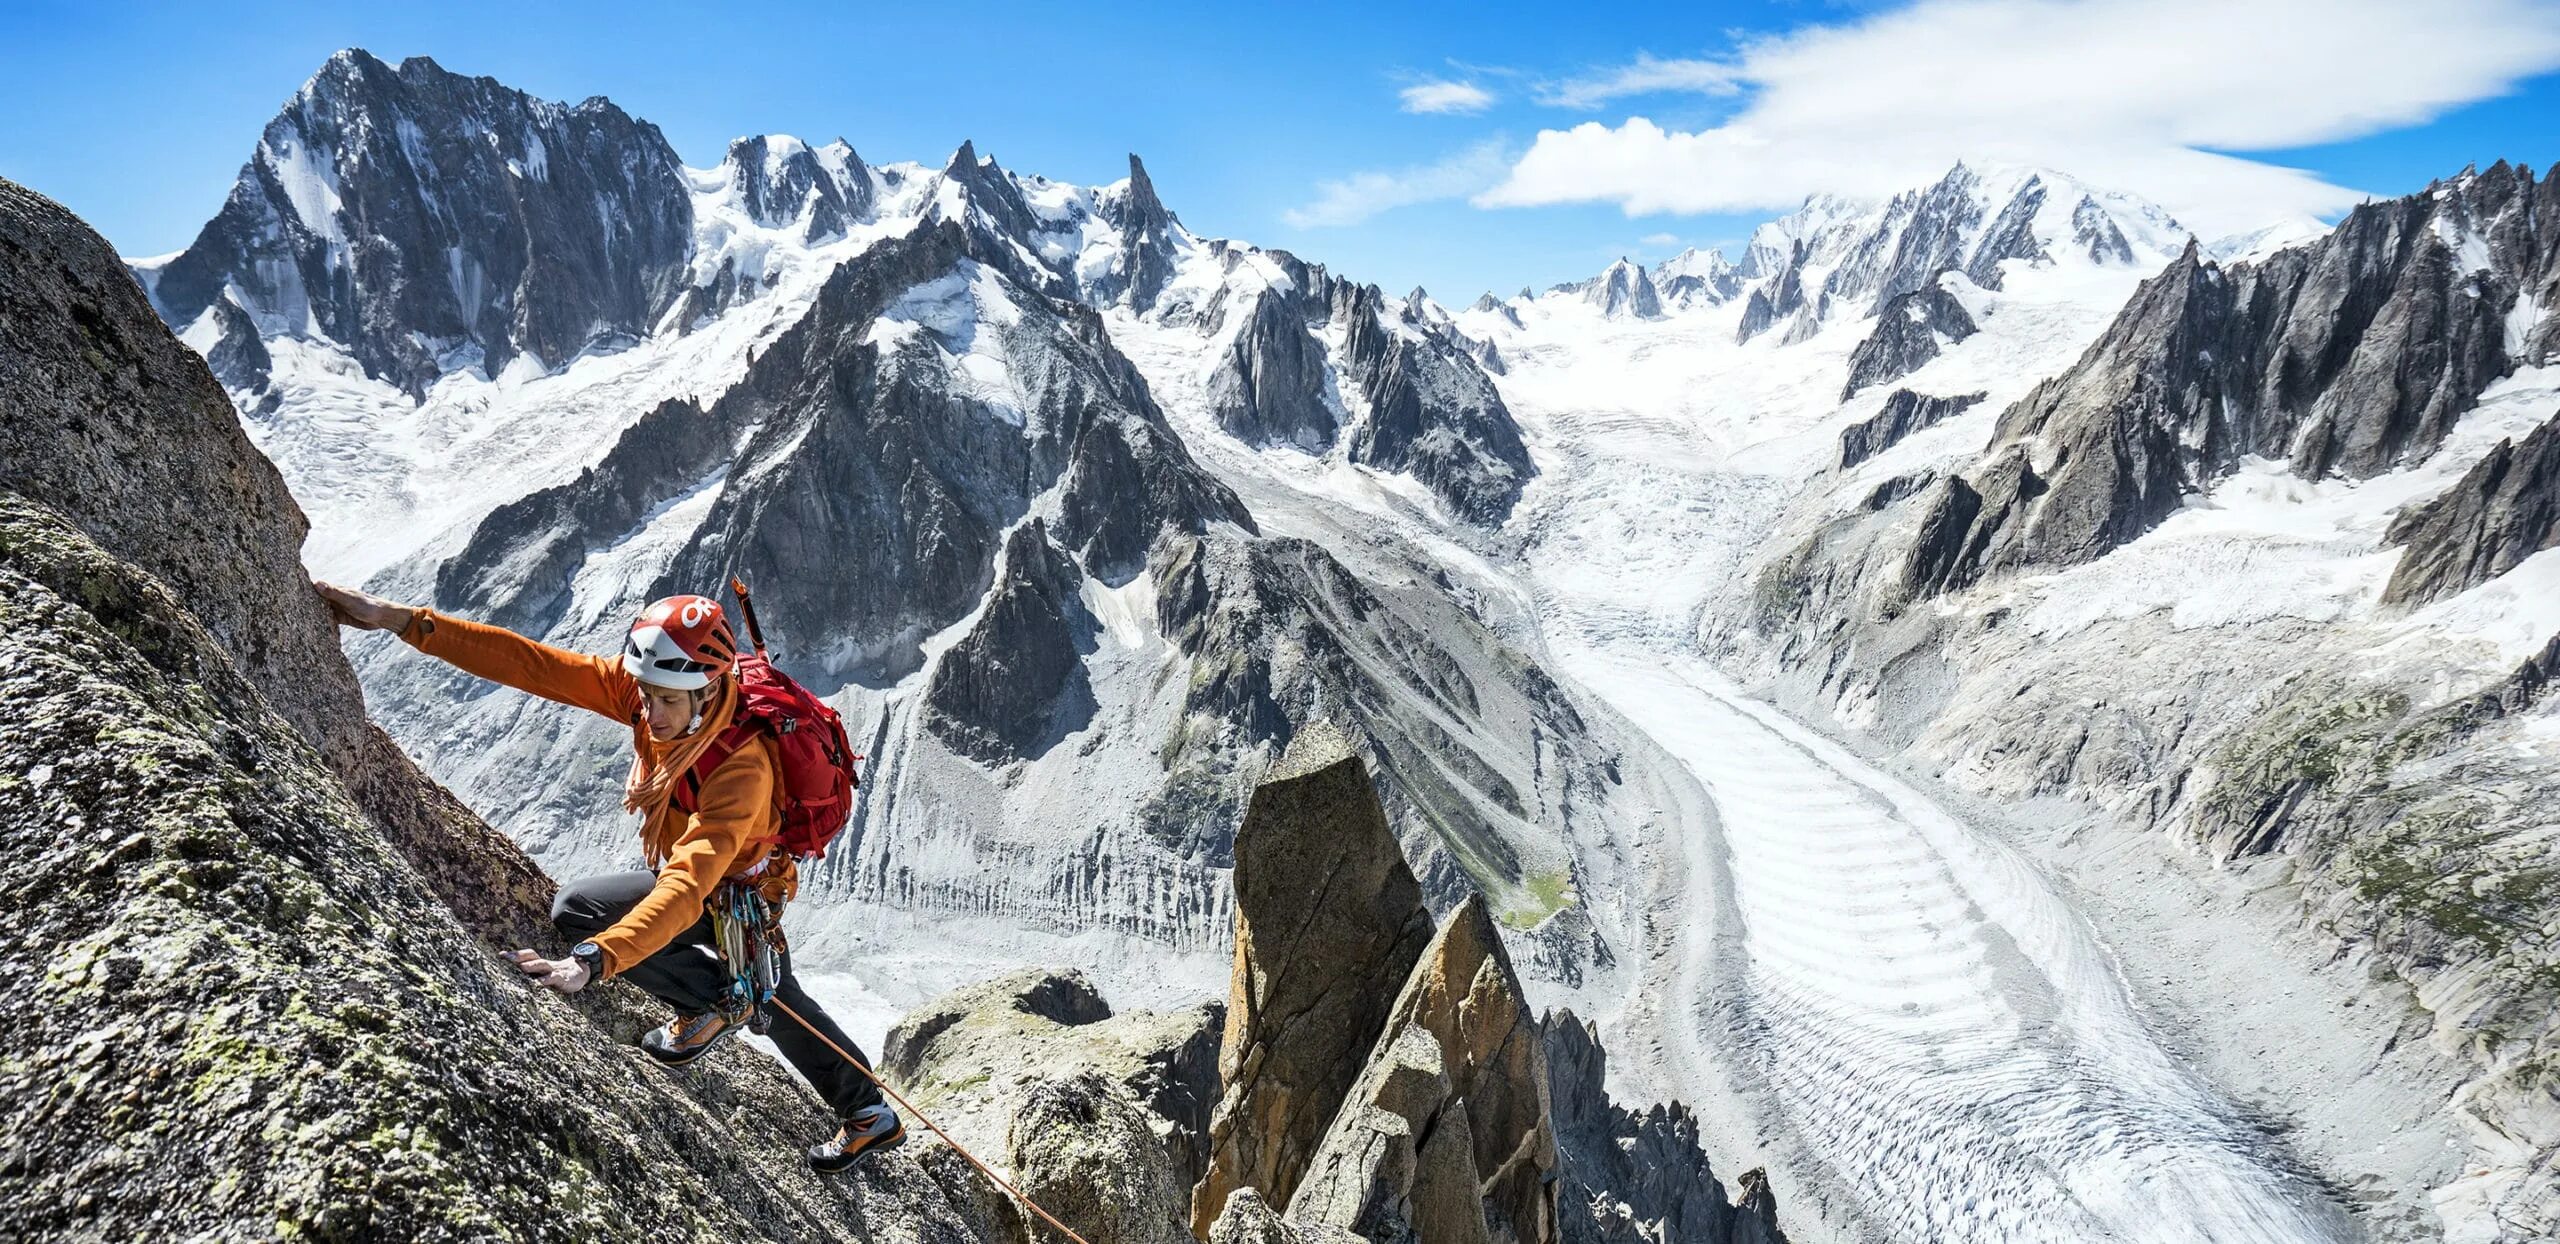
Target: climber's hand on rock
562	975
365	613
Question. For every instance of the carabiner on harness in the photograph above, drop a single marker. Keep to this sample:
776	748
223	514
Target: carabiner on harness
748	927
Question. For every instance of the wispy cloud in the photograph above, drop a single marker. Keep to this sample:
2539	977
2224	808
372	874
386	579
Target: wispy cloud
1659	241
1647	75
2146	95
1441	96
1350	200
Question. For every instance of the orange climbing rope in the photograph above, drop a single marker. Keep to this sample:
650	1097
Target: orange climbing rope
909	1107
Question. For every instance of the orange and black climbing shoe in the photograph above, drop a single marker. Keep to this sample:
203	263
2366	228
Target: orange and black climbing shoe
871	1129
687	1037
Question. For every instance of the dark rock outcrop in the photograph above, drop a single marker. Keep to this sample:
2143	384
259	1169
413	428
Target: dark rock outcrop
1015	684
517	567
425	220
782	181
1433	414
1270	388
880	439
1323	916
1146	244
1904	413
1634	1177
2348	356
2505	509
1907	335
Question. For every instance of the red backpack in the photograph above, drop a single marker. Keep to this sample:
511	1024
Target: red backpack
815	758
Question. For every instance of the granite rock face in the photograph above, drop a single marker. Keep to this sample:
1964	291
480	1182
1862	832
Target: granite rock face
89	377
1433	413
1441	1126
1016	683
1270	389
1904	413
259	940
1101	1117
1325	911
1909	332
2505	509
422	218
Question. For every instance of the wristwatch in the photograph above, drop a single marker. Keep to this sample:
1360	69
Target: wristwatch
591	955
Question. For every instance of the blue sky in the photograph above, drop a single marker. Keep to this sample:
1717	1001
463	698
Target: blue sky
1292	126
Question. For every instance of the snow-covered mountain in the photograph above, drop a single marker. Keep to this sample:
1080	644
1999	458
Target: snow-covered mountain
1743	629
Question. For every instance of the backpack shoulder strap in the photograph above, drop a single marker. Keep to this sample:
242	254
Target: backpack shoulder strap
688	792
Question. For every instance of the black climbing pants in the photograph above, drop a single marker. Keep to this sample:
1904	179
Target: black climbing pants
689	975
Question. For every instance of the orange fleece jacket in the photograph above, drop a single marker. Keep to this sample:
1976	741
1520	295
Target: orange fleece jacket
731	832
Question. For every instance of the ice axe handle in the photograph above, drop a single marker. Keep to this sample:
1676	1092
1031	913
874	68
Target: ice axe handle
747	607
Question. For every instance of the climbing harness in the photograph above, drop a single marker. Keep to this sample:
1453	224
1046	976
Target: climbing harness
748	925
748	928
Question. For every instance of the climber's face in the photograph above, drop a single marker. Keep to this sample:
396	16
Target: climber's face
671	712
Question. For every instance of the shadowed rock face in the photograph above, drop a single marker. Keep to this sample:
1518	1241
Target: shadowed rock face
1271	386
416	216
1636	1176
1446	1135
2350	356
1906	337
852	436
1433	414
1904	413
1325	911
1015	684
256	938
2506	509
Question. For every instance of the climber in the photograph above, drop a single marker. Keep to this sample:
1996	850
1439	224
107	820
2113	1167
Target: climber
672	686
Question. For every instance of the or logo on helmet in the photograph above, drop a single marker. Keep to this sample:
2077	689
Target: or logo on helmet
682	643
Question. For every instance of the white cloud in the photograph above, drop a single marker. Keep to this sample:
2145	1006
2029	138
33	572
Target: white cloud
2142	95
1646	76
1437	96
1353	199
1659	241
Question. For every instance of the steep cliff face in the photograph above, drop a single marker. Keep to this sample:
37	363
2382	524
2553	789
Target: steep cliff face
420	218
1430	1117
259	940
2505	509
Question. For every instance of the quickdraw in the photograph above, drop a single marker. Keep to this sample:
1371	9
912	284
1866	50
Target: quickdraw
748	928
